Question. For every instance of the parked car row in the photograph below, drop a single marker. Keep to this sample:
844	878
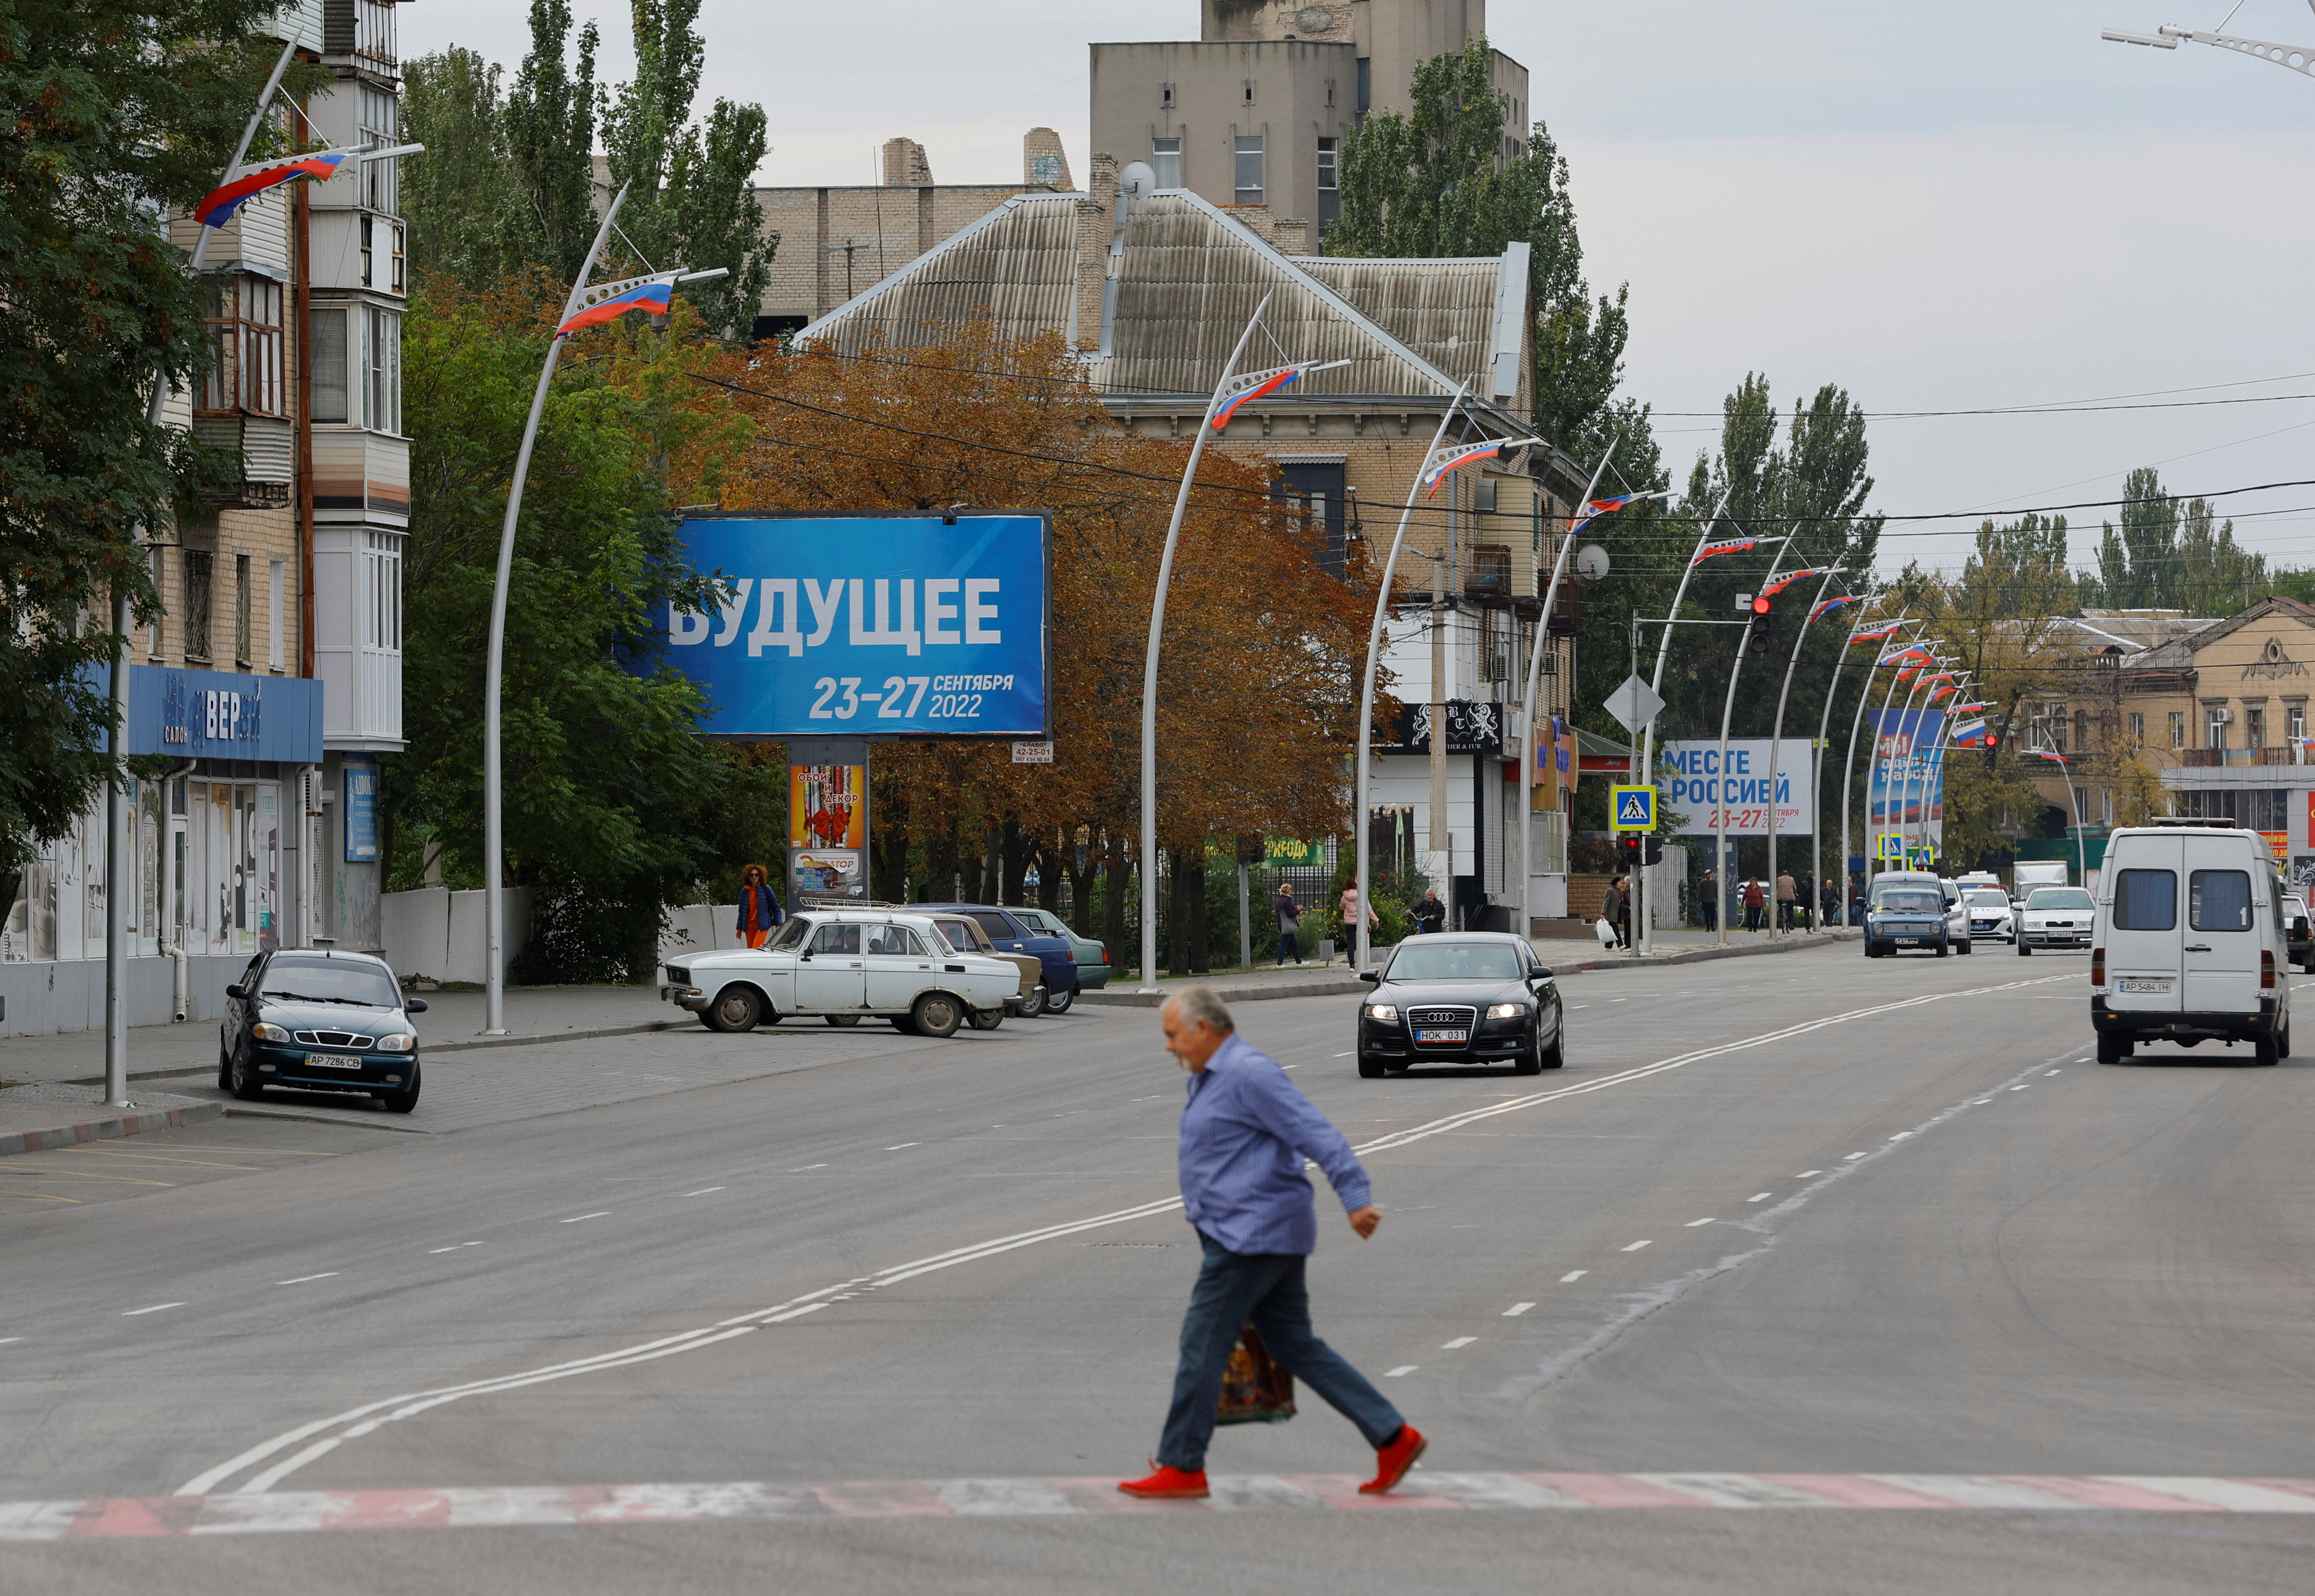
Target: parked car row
928	969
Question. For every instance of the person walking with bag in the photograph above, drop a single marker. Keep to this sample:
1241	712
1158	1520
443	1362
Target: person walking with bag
1246	1131
1611	912
1756	903
1290	924
760	907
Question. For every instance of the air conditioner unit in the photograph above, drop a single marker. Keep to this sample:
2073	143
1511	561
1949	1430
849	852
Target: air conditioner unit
2221	717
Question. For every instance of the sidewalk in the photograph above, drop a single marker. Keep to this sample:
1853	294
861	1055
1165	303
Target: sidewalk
1687	945
451	1023
34	1118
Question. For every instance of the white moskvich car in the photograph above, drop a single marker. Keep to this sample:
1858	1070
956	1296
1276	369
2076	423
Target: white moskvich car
843	964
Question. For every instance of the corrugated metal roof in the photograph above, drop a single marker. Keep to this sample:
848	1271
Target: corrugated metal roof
1443	310
1018	263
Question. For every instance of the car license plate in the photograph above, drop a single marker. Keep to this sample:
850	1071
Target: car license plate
331	1062
1907	942
2144	983
1442	1036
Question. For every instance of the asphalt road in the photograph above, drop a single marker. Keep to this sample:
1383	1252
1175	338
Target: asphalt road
1803	1217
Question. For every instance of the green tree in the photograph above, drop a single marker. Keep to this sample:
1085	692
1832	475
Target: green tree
550	142
2171	554
113	110
469	218
1434	181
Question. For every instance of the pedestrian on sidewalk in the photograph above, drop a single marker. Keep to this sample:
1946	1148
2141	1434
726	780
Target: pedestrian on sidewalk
1349	906
1756	903
1786	893
1290	924
1429	915
760	907
1246	1131
1611	909
1708	900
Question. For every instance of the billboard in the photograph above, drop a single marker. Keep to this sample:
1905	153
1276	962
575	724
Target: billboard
1693	798
1907	780
869	626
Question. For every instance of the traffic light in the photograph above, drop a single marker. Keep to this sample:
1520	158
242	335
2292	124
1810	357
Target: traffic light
1992	748
1760	632
1635	848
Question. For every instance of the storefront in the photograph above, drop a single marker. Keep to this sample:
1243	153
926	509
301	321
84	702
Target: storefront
216	849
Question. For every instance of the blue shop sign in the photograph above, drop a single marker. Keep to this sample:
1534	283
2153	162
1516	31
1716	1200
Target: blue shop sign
217	714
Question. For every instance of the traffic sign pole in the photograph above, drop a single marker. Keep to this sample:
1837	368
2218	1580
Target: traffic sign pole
1655	683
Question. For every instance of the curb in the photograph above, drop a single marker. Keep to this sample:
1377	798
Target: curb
516	1042
72	1134
1706	955
1314	988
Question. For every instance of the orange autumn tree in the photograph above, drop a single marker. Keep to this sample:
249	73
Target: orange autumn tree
1257	683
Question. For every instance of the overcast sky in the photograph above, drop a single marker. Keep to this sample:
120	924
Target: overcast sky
1970	204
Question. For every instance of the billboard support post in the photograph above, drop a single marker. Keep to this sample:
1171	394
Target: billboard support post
1720	779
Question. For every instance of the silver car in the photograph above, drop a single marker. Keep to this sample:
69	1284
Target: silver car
844	965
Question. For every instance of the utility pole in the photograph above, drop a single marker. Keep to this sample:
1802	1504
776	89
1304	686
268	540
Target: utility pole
1442	840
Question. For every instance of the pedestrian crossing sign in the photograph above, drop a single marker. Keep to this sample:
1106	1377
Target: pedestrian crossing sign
1893	847
1631	809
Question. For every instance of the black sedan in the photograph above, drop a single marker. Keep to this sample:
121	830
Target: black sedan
1466	998
320	1021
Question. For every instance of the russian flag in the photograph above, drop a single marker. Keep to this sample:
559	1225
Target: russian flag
1600	507
1825	607
217	206
1970	733
1915	651
1268	384
1880	634
611	301
1734	546
1455	460
1788	578
1941	692
1966	708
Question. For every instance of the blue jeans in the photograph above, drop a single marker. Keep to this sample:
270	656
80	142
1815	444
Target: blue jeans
1267	1288
1289	943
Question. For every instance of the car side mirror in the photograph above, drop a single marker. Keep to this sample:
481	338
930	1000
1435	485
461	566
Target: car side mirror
806	953
416	1006
2299	927
236	992
1371	977
1541	974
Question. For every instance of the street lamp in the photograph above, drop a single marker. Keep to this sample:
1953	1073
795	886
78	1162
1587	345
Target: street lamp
1855	722
2299	57
1232	392
1870	598
1720	777
2081	848
1777	730
585	307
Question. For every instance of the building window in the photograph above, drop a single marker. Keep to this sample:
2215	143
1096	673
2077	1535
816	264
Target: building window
1330	93
2177	728
1366	83
2254	727
2215	727
2082	732
2295	718
241	596
382	573
198	564
329	337
2137	729
2056	726
1249	171
1246	91
380	124
1166	158
368	253
383	411
1326	152
1165	96
243	318
154	557
1483	496
274	583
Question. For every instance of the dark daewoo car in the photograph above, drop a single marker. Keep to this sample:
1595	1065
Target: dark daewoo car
1464	997
320	1021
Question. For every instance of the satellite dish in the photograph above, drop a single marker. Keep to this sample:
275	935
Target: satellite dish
1137	180
1592	561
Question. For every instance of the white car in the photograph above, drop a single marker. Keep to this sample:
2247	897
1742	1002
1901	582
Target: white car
1991	917
2055	917
844	965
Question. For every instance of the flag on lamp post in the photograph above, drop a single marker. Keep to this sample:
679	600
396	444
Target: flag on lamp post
610	301
217	206
1599	507
1733	546
1825	607
1772	589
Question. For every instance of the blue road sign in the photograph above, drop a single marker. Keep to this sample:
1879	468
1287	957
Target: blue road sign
1632	809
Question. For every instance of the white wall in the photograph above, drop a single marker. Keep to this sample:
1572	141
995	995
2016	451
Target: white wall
435	933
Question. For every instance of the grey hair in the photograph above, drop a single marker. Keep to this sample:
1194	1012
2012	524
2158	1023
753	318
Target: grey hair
1197	1006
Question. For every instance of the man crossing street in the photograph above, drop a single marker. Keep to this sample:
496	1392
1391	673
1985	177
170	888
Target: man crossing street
1246	1131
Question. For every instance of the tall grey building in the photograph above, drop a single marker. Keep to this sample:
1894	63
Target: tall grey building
1255	111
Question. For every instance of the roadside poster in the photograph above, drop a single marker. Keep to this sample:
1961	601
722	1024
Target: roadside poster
1278	851
1698	787
1905	790
827	875
827	806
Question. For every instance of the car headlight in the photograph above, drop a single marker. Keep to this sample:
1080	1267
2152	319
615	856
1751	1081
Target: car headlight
1506	1011
1381	1011
264	1031
401	1043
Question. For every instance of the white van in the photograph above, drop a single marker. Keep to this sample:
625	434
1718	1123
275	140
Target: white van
2188	944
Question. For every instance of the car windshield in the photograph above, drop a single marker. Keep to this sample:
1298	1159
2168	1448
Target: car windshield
1430	959
792	934
1988	900
1909	900
329	980
2059	898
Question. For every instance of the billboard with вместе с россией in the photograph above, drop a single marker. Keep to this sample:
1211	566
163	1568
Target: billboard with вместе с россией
869	625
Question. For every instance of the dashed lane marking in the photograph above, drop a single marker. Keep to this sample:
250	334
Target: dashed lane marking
703	1190
1758	1197
1460	1341
469	1507
575	1218
1404	1368
1572	1275
301	1279
1708	1220
1517	1308
1635	1247
903	1147
156	1308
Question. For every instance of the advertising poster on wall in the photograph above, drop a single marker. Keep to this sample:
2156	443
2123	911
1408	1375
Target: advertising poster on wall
1693	803
827	875
1907	784
827	806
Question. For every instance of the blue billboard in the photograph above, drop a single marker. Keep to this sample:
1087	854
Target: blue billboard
869	626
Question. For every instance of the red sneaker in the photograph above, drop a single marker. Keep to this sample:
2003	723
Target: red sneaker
1393	1461
1167	1482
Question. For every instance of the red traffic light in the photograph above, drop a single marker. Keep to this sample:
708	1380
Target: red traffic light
1991	741
1761	604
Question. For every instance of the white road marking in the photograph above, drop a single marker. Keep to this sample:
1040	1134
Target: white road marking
1392	1374
2049	1072
1635	1247
10	1340
454	1246
903	1145
1573	1006
1342	1055
799	1171
575	1218
1805	1174
156	1308
301	1279
796	1308
2019	1088
703	1190
1901	1136
1707	1220
1845	1157
1572	1275
1460	1341
1517	1308
1758	1197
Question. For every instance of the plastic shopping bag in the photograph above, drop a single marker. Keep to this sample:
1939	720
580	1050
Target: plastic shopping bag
1605	931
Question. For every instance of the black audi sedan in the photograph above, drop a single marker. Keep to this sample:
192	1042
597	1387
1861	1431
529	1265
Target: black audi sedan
1463	997
320	1021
